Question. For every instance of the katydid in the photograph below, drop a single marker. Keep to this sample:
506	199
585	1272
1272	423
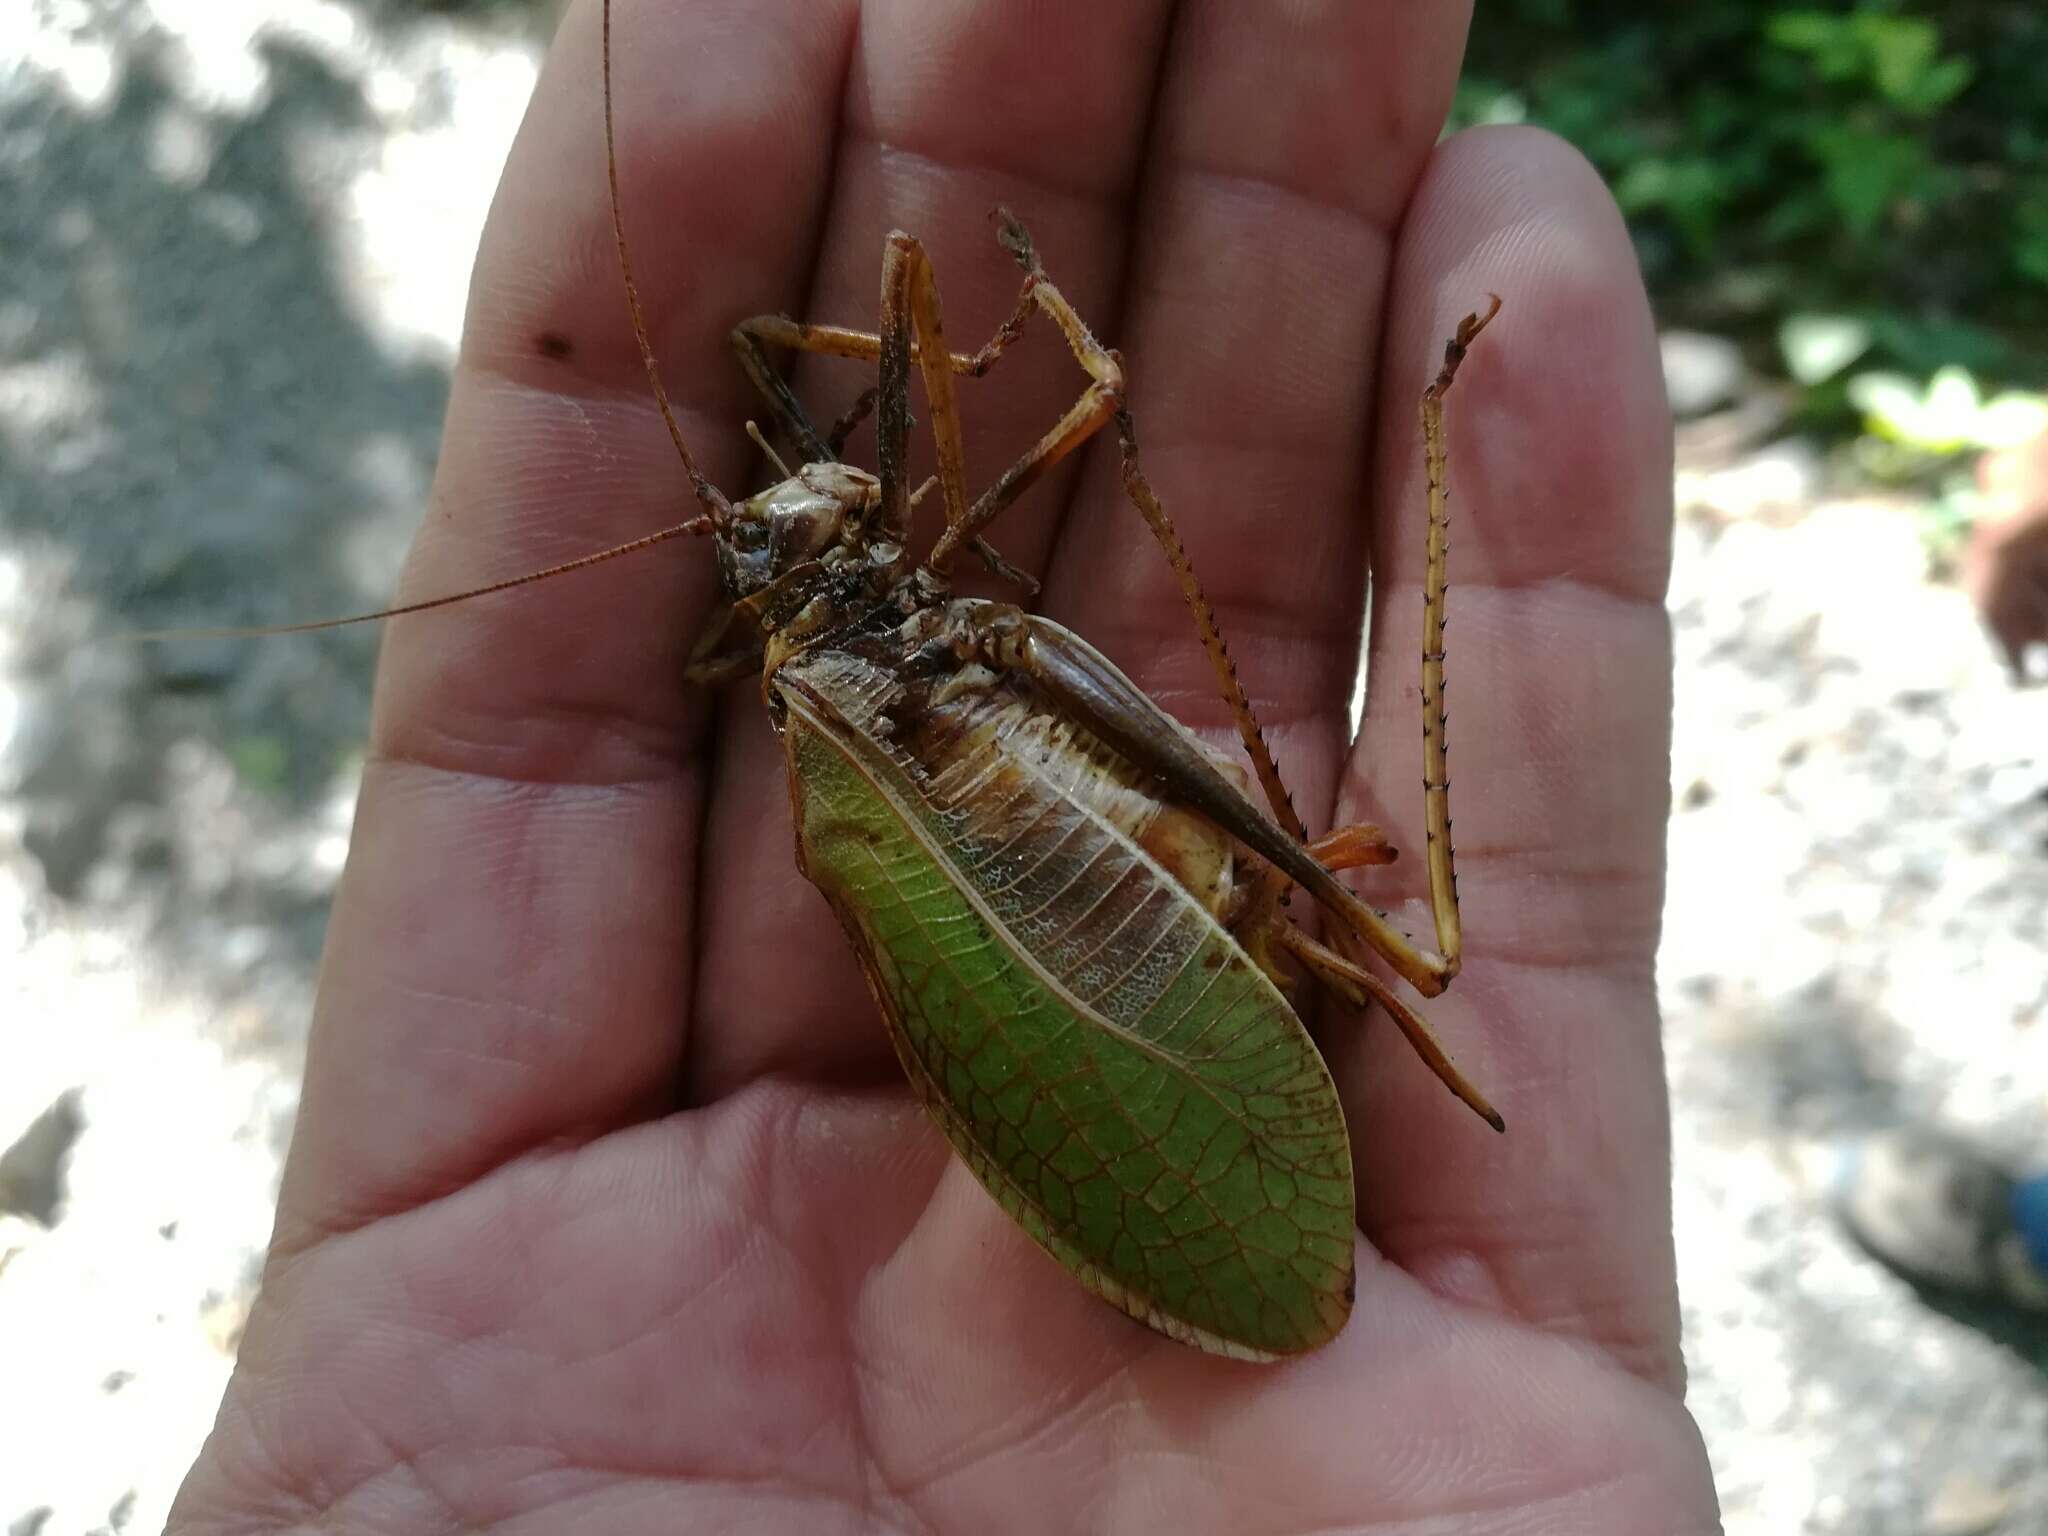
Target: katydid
1067	907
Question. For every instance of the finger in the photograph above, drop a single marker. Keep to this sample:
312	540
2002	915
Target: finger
2014	605
1283	156
947	113
508	959
1559	686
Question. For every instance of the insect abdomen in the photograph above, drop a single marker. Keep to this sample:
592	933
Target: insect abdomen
1103	1055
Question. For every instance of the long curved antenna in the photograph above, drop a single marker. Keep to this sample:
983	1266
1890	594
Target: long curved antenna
716	507
659	536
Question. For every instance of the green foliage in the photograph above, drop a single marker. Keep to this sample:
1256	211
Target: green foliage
262	761
1871	163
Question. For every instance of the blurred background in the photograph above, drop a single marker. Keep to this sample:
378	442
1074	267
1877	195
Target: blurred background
234	240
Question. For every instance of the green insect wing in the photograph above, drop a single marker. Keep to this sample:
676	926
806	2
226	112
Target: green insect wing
1133	1090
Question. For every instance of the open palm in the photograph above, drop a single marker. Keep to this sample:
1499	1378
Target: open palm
608	1208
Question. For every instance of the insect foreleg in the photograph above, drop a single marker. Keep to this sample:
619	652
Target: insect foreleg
912	331
1083	419
783	404
752	338
1098	404
863	407
866	346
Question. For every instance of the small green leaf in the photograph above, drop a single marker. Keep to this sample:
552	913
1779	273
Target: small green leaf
261	761
2030	243
1817	347
1901	49
1942	84
1890	403
2010	419
1905	63
1810	32
1949	416
1864	171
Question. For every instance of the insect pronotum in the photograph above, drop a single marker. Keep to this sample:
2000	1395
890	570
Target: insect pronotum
1068	910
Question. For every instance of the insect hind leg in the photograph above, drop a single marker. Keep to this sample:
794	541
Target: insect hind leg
1358	986
1432	971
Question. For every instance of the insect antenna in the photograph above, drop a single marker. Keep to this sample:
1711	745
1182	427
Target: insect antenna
716	507
698	524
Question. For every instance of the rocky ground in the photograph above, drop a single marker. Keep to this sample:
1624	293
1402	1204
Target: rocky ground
234	264
1854	936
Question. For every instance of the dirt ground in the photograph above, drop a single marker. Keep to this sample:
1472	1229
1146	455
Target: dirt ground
231	268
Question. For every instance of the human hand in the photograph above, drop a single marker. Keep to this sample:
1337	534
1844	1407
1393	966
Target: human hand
608	1208
2005	567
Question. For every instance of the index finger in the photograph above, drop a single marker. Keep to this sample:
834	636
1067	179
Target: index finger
508	961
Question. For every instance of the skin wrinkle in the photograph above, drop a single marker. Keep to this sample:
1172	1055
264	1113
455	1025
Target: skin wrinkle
462	563
609	422
807	1506
290	1254
1289	444
880	1489
1276	199
763	1149
1404	132
1073	1413
1321	550
589	747
877	1484
629	416
1620	959
1511	1493
255	1474
1078	1417
446	768
1591	1316
307	1498
919	69
1099	198
404	1475
418	1183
